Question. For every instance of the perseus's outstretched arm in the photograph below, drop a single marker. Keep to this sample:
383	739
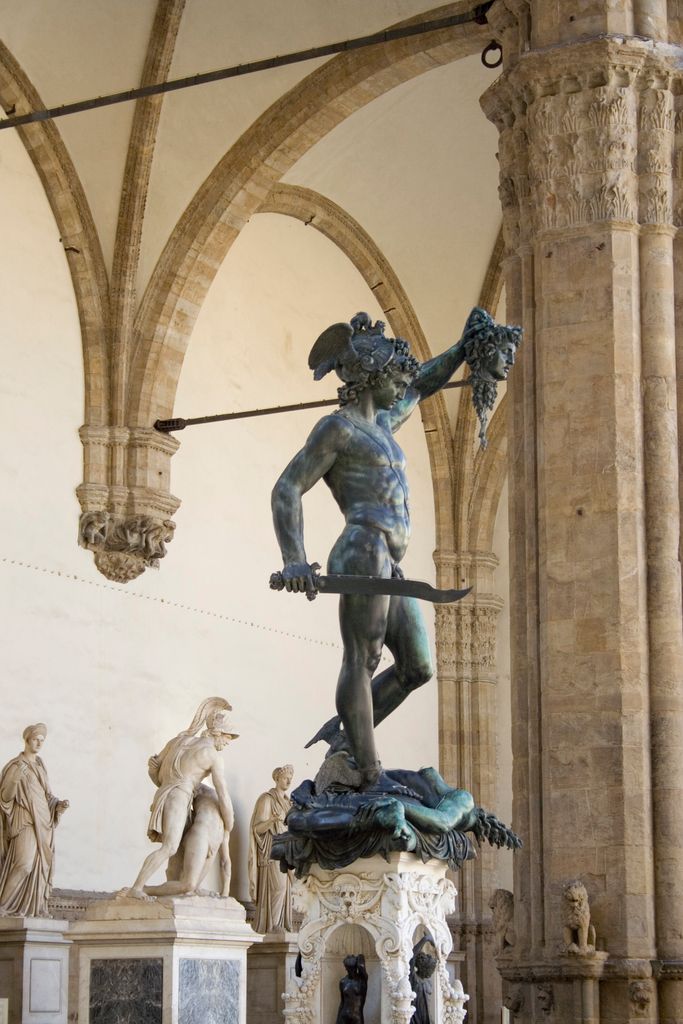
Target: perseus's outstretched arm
436	372
430	378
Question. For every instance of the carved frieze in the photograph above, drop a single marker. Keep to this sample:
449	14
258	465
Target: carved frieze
466	637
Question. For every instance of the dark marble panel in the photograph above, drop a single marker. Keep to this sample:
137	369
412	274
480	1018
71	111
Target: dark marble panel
209	992
126	991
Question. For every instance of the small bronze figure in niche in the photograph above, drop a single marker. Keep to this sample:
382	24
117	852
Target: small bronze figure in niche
353	990
422	967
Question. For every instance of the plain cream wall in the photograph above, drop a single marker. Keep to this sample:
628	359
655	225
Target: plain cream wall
116	670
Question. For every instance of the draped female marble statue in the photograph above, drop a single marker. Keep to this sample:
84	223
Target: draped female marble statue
269	887
29	814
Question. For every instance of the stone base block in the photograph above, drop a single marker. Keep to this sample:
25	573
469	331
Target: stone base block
381	909
270	968
34	969
174	960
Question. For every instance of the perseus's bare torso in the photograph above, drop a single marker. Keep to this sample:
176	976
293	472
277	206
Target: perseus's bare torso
368	481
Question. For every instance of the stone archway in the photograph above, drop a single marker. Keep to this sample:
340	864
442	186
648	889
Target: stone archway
79	237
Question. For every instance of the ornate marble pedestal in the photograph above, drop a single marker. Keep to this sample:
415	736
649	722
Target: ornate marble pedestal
175	960
270	968
381	909
34	969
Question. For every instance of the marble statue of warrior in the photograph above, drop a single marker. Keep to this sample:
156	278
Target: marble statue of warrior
29	814
177	771
269	887
354	451
205	838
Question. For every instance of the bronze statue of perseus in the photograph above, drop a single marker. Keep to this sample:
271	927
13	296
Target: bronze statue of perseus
354	451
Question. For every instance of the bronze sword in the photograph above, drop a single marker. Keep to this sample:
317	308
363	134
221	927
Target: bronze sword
371	585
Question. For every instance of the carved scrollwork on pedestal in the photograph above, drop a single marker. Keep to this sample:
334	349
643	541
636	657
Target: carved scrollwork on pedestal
391	907
124	546
453	997
299	997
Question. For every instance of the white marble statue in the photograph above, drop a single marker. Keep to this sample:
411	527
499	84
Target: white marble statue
29	814
269	887
205	837
178	771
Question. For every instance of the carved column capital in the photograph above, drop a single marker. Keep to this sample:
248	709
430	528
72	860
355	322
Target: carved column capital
466	568
586	135
466	638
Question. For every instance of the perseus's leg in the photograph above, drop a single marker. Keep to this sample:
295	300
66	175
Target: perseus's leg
363	623
406	638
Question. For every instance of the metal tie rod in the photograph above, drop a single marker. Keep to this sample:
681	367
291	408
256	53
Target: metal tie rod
178	423
477	15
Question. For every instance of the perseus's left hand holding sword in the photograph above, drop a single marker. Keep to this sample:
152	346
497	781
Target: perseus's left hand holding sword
393	586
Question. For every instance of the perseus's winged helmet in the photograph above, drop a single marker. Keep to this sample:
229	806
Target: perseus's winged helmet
353	348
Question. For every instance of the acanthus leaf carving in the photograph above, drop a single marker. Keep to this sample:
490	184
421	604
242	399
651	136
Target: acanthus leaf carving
656	206
609	109
656	111
611	202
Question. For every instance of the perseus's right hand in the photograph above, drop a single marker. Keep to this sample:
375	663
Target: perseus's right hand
297	578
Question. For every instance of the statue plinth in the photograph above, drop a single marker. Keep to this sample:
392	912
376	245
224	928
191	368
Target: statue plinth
378	907
165	959
271	966
35	956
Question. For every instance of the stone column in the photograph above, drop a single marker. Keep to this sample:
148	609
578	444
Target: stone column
466	668
586	146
